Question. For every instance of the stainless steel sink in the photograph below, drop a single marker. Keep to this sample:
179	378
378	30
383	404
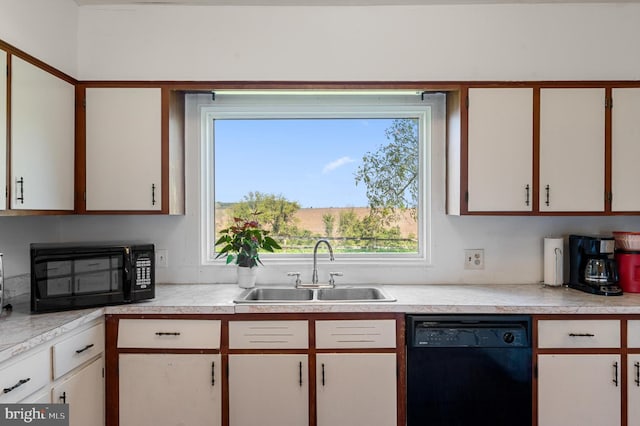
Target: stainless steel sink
352	294
297	295
275	295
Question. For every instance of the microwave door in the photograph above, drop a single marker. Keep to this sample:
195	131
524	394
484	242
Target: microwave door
97	282
57	287
92	275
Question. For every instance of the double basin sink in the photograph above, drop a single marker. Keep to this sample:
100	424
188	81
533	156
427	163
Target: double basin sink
314	295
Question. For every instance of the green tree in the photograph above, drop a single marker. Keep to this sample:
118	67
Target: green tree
391	173
329	221
275	211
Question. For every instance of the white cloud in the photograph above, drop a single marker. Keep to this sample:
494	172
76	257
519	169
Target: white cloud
337	163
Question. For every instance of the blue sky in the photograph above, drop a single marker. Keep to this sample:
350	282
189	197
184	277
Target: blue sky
309	161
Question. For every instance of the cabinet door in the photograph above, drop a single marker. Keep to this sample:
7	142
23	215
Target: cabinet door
123	144
500	149
268	390
170	389
42	139
3	130
572	150
625	150
356	389
580	390
84	392
633	390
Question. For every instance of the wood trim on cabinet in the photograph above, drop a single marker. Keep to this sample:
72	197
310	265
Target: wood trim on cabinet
81	151
464	150
164	150
608	151
535	179
14	51
9	183
112	394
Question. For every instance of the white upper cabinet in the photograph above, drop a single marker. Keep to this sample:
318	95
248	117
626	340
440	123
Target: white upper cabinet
572	148
625	150
3	130
123	149
500	147
42	139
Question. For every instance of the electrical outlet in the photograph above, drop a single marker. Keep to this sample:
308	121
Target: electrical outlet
162	258
474	259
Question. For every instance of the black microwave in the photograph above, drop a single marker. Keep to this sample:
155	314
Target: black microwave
73	276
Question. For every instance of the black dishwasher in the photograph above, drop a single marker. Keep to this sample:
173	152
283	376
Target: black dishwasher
469	370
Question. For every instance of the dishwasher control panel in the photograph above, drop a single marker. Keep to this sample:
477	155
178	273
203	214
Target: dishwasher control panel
487	332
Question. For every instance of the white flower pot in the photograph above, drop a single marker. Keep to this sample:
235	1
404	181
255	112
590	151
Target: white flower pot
247	277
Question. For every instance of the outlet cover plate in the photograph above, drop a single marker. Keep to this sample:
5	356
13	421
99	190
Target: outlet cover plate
474	259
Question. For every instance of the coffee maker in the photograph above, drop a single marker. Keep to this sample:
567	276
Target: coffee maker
592	268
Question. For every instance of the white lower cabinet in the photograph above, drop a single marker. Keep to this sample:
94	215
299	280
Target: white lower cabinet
268	390
77	377
633	390
356	389
84	392
163	375
580	378
579	389
170	389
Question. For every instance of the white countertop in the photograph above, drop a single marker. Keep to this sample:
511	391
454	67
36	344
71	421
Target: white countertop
21	331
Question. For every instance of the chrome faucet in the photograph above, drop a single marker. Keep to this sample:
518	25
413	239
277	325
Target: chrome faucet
314	276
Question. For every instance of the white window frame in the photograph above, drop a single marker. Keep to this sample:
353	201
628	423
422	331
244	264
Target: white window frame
428	109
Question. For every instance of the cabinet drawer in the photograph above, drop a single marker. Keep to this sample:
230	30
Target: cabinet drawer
169	334
579	334
77	349
23	378
633	333
268	334
356	334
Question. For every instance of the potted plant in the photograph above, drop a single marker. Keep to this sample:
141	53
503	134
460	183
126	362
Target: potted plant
241	242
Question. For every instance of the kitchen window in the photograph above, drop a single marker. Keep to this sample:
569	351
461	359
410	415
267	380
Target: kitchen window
352	168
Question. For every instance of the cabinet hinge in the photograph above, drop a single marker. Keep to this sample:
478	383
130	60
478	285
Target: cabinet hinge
609	196
608	102
466	196
466	102
84	196
84	103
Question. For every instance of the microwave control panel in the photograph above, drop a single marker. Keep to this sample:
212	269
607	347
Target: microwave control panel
143	271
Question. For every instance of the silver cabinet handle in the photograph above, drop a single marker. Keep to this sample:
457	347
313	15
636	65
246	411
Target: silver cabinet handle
526	189
637	380
615	373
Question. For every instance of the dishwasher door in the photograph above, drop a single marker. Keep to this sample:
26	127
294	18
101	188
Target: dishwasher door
469	370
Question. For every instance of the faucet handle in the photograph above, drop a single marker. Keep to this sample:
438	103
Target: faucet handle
297	275
332	281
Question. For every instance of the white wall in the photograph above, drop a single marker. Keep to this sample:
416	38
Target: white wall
463	42
46	29
493	42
